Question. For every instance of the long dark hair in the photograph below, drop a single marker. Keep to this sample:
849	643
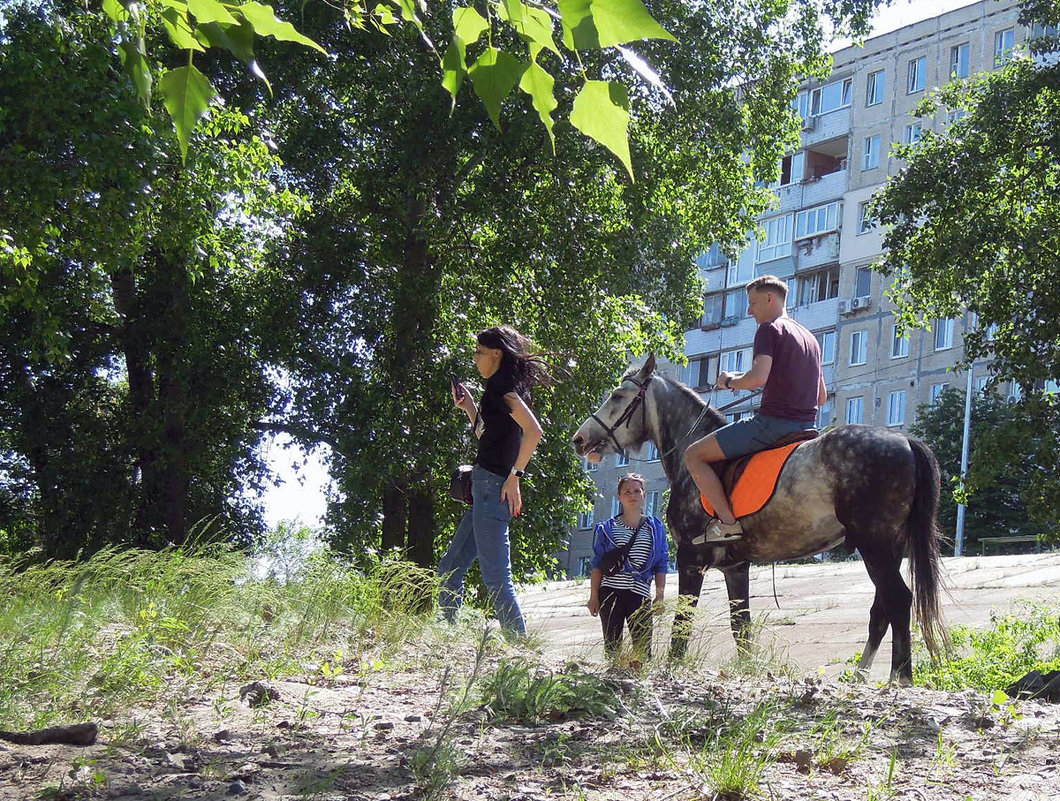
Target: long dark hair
519	362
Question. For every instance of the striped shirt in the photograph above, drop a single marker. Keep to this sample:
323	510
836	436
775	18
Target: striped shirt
638	557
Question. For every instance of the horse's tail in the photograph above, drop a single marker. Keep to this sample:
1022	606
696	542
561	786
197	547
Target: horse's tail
924	536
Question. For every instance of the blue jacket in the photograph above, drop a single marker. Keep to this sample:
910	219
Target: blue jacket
658	562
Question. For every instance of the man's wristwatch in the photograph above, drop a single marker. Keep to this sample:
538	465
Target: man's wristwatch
517	472
728	380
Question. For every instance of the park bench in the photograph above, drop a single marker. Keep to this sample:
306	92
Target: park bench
984	541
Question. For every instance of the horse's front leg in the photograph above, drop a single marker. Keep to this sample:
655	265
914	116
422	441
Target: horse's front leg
689	584
738	584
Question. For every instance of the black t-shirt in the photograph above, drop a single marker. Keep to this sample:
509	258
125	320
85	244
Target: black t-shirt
498	447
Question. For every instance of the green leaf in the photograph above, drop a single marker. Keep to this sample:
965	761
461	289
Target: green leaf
595	24
133	57
532	24
179	30
494	75
266	23
187	96
210	11
469	25
601	112
237	40
115	10
1000	697
453	67
384	15
537	83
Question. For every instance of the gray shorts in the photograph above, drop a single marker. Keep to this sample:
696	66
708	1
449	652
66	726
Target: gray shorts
755	434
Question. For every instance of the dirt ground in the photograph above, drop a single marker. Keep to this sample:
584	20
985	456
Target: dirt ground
358	737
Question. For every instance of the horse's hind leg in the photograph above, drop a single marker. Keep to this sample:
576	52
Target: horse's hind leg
738	586
878	623
897	602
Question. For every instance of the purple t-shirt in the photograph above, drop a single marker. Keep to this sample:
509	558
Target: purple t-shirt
794	378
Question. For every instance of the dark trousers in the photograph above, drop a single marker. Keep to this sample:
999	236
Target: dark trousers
625	607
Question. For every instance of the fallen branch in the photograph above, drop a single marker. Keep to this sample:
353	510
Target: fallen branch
76	734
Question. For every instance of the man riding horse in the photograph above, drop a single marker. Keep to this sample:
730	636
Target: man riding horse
787	362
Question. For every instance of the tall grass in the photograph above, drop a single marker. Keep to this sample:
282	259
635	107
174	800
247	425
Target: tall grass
90	638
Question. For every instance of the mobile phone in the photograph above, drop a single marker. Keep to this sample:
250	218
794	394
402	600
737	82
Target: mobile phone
457	392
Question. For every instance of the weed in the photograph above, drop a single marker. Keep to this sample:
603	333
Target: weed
884	790
517	691
945	759
1016	643
735	761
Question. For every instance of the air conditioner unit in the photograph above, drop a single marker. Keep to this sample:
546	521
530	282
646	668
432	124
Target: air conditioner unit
859	303
809	123
728	322
844	307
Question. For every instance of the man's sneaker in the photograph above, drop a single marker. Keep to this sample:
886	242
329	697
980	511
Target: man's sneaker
719	533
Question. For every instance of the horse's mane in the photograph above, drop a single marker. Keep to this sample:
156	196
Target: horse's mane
684	390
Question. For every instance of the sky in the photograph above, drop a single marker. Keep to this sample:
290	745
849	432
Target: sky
301	493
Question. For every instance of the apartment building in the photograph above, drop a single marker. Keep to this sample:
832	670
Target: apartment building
820	240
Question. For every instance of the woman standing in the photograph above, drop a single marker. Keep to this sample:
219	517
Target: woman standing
508	432
625	597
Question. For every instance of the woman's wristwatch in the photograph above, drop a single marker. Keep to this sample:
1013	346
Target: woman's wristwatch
517	472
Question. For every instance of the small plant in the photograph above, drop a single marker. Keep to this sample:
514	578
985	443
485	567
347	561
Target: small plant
1015	644
518	691
884	790
734	762
435	767
945	759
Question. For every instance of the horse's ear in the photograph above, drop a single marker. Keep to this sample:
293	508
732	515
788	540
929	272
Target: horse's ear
649	366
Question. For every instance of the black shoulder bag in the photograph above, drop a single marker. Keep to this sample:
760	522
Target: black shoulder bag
612	562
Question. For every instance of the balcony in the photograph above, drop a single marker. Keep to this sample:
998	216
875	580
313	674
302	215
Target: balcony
816	251
822	127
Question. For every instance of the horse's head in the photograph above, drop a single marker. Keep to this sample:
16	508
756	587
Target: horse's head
619	424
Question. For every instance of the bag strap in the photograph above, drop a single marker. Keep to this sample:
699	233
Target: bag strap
629	545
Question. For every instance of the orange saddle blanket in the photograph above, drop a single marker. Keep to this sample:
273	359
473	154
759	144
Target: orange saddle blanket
750	481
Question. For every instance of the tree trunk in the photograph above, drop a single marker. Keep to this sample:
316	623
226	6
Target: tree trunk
420	544
395	516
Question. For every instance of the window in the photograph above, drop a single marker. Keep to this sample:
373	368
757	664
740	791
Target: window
856	410
937	390
818	220
982	382
616	507
917	71
899	344
732	417
896	408
871	157
740	272
954	116
826	339
824	414
584	566
943	334
831	97
859	348
777	242
960	61
621	459
1015	391
585	519
820	285
736	361
712	309
736	303
701	371
712	259
792	169
914	132
865	223
590	467
874	93
1004	43
651	505
651	453
863	283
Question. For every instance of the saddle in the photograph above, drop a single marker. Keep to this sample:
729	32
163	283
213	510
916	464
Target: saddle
747	496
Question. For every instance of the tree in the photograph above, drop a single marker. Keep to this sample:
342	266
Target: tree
130	284
428	224
974	224
996	506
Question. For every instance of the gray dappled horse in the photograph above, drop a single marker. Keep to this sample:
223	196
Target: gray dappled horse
874	488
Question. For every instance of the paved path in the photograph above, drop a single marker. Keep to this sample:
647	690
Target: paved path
824	608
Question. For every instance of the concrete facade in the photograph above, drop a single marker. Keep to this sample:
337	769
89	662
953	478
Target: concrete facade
817	240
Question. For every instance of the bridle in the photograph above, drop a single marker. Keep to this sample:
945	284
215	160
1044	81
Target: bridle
627	414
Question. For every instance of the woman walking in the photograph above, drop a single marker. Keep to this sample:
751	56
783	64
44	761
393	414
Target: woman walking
508	432
624	598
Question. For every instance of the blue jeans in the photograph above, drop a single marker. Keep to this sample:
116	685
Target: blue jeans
483	535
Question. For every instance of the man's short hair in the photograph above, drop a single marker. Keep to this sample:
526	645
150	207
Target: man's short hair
769	283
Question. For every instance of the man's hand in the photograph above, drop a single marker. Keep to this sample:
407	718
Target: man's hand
723	378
